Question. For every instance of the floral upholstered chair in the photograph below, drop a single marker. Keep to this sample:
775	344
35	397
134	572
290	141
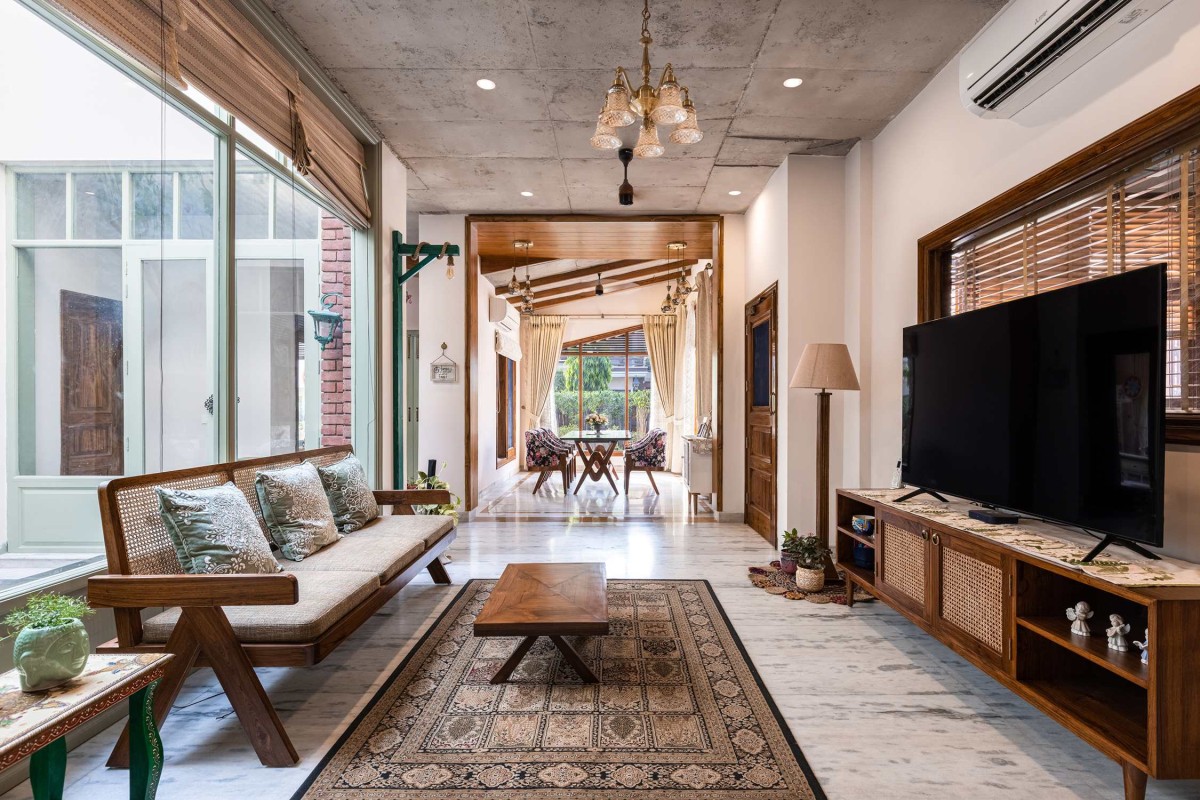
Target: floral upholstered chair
647	455
562	447
544	456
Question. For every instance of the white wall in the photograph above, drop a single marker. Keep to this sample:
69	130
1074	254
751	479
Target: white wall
391	208
733	450
936	161
443	312
486	399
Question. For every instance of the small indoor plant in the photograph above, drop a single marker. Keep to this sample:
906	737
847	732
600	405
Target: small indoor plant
52	645
450	509
804	557
596	420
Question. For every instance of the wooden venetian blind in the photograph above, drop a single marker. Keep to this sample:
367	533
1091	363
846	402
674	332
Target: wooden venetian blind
1145	215
211	44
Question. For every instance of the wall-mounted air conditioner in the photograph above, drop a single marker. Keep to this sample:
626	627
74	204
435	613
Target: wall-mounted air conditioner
503	314
1032	45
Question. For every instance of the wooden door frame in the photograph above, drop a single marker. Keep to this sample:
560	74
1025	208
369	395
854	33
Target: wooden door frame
773	290
471	367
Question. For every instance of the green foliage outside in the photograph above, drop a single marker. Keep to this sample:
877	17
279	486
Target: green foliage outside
610	402
47	610
597	372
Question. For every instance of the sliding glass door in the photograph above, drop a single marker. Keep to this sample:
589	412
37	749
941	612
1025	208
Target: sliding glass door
608	374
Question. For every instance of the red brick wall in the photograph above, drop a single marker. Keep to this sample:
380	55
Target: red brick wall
335	359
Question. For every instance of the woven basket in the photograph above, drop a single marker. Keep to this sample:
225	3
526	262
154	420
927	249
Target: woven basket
810	580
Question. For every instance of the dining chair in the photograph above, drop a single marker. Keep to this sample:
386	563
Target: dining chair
647	455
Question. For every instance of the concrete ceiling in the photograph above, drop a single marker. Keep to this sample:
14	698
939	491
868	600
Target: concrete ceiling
411	67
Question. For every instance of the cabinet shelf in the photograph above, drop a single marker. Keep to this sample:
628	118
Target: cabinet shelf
1098	710
1127	665
869	541
864	577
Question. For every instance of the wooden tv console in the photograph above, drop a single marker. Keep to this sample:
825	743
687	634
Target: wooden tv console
1004	611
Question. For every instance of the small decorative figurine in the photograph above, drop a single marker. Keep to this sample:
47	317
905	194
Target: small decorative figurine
1145	648
1116	633
1079	615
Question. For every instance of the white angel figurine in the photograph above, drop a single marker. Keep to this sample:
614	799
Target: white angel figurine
1079	615
1116	633
1144	646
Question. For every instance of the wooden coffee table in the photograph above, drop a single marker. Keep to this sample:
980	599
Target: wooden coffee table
554	600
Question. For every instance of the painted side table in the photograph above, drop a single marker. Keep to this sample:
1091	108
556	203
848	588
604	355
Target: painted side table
36	724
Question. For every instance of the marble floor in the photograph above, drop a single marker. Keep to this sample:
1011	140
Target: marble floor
595	502
881	710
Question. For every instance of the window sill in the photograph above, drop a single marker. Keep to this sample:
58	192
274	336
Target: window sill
500	462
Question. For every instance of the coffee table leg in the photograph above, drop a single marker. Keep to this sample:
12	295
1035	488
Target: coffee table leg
502	674
145	746
574	660
48	770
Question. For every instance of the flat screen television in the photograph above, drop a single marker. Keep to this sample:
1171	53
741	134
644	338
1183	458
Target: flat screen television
1051	405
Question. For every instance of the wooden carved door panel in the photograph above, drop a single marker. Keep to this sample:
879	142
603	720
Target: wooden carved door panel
971	603
760	414
92	393
902	562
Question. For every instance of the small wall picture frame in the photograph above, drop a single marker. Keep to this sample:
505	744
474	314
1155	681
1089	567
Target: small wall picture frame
443	369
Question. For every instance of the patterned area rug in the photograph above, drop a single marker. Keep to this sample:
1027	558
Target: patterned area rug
773	580
679	714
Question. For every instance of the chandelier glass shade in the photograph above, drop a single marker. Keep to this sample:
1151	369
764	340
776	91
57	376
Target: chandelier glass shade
666	104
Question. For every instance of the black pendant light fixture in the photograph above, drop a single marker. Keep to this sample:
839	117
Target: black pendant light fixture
625	193
599	285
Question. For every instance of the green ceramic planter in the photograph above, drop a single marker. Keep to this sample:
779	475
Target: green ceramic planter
49	657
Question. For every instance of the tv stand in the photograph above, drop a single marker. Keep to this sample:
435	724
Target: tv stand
1110	539
917	492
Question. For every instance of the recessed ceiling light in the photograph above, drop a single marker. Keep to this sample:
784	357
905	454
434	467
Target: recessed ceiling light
526	194
735	192
485	84
792	83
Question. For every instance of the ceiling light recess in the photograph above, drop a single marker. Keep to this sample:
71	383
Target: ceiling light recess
487	84
792	83
735	192
526	194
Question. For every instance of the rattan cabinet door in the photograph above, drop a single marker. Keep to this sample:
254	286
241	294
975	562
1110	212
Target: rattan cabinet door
902	562
970	601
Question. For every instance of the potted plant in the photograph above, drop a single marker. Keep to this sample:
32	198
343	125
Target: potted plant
596	420
804	557
450	509
52	645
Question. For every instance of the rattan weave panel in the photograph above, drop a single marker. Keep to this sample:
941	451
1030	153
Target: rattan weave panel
146	543
973	597
904	562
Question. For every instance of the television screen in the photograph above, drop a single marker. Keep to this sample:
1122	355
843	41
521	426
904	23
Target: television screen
1051	405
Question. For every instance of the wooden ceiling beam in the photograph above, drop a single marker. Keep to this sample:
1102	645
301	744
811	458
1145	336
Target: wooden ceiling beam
489	265
614	280
625	287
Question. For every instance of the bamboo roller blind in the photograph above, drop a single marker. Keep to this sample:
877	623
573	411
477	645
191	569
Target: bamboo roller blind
1145	215
210	44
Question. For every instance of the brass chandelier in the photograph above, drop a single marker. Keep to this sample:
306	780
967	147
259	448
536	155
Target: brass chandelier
683	287
669	104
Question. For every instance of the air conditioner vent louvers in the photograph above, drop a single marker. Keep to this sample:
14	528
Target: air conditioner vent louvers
1067	36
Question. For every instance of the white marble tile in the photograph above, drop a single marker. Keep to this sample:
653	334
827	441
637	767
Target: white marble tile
880	709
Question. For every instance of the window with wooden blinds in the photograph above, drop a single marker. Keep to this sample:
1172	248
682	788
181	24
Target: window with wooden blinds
1143	215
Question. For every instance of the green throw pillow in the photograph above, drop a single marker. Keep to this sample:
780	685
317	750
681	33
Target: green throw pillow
215	531
350	496
296	510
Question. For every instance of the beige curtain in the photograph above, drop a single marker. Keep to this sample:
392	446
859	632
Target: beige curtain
661	342
541	344
682	415
706	336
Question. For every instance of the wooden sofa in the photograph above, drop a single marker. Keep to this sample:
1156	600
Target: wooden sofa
233	623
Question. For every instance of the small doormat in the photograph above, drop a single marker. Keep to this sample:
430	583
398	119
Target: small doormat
774	580
679	714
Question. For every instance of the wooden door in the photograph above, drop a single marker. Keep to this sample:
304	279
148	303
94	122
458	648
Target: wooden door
970	599
902	562
93	407
760	413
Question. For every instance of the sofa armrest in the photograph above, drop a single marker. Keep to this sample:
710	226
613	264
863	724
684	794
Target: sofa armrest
147	591
412	497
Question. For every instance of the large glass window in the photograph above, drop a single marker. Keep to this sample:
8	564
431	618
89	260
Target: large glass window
115	245
607	374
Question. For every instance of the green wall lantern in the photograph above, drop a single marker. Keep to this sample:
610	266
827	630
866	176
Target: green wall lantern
326	321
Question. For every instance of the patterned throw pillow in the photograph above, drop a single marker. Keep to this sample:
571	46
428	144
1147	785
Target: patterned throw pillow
215	531
350	496
296	510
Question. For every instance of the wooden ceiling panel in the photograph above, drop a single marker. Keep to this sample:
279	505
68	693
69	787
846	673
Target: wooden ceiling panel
584	237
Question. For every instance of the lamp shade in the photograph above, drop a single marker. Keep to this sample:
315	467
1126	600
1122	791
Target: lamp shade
825	366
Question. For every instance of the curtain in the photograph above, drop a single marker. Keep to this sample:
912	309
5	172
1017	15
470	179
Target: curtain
706	336
541	344
661	342
682	394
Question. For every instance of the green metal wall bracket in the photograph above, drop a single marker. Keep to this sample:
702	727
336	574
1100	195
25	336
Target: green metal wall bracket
407	261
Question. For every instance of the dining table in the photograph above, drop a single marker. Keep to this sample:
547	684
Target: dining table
596	448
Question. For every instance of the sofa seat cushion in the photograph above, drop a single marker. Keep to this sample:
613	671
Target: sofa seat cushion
325	597
382	551
430	528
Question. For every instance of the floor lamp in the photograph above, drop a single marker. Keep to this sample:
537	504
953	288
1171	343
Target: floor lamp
824	367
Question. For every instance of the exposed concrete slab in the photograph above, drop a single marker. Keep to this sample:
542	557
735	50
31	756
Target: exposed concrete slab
412	66
747	180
